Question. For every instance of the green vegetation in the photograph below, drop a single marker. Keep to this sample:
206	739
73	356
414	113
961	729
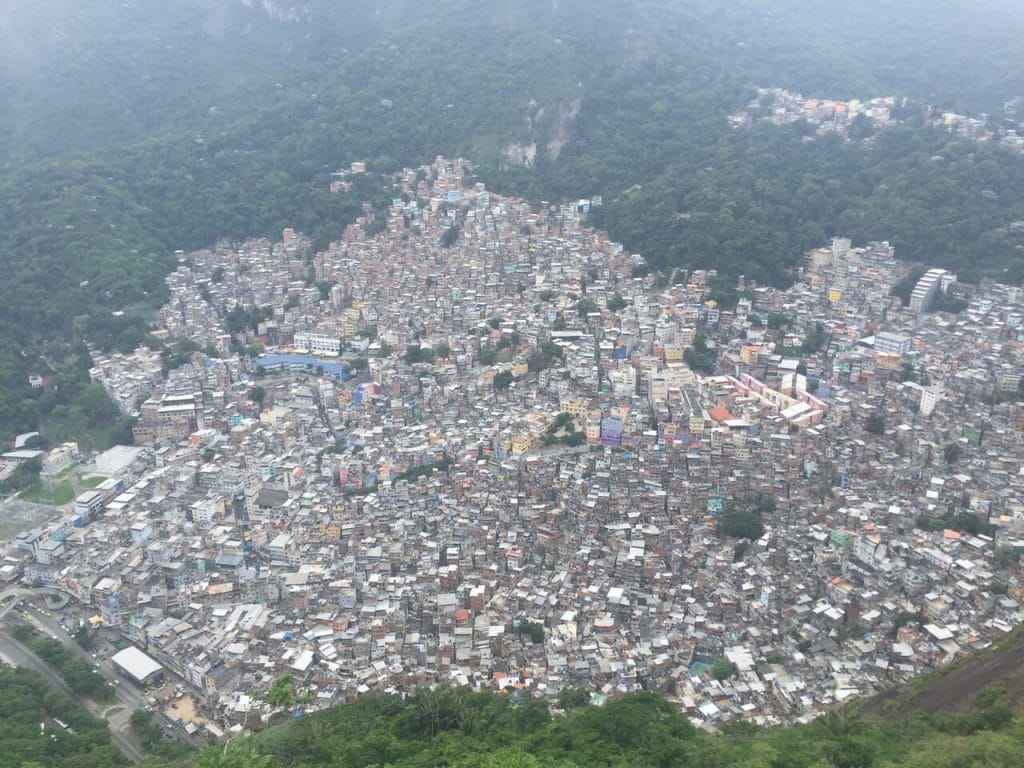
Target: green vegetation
24	477
562	431
450	236
616	303
153	739
952	452
741	523
147	732
760	197
282	692
425	470
739	550
996	587
571	698
585	306
116	155
743	517
178	353
875	423
77	673
544	357
413	473
1007	556
25	702
848	631
257	395
487	355
531	629
723	669
701	357
961	520
455	727
83	637
812	342
414	354
503	380
51	493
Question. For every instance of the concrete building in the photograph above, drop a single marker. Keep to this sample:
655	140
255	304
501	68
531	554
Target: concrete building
89	504
318	343
168	417
402	554
893	343
136	666
928	287
117	459
930	397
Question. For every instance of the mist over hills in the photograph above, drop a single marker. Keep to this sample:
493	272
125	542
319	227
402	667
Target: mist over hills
90	73
129	129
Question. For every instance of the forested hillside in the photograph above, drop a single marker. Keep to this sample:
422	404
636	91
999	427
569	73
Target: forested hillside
131	129
448	727
41	726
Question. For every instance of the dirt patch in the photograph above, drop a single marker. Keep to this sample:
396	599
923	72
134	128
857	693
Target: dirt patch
187	711
955	688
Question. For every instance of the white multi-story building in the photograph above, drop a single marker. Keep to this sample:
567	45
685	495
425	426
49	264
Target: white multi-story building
929	399
928	287
318	343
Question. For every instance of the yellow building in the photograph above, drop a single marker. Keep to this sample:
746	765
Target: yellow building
749	353
575	406
888	361
673	353
523	443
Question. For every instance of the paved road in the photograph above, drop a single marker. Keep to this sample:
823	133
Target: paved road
8	602
130	696
20	656
12	596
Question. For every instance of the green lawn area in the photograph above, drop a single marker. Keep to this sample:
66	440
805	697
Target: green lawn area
68	469
46	492
88	483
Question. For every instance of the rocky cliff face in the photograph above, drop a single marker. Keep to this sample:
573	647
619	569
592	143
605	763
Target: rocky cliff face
551	127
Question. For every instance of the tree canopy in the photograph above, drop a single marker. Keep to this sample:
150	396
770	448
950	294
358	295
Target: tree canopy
456	727
115	156
25	701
